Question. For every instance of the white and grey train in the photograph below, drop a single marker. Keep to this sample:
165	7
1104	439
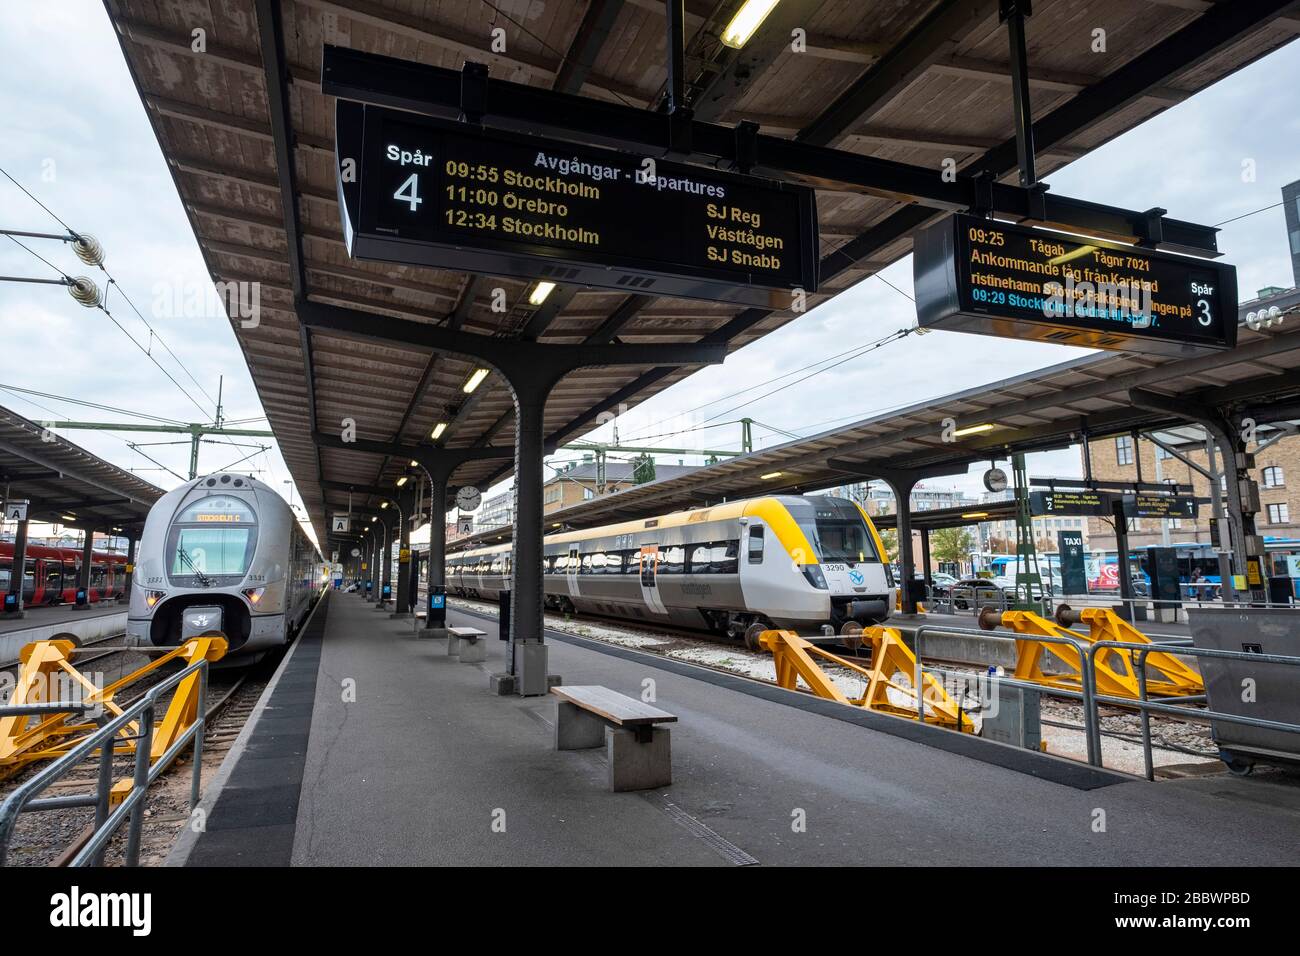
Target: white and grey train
800	562
223	553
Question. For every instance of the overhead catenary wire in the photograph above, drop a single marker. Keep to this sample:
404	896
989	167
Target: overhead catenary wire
103	308
112	281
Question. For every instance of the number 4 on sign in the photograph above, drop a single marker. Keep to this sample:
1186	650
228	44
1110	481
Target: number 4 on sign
413	184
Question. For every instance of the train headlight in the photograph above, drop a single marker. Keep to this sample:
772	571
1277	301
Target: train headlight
151	598
254	595
813	572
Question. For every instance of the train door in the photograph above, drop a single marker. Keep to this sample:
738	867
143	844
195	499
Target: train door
650	579
49	583
571	572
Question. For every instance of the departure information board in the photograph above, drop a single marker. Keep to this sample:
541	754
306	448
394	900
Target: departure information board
1085	502
995	278
456	196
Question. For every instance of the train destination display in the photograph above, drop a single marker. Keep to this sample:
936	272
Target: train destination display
455	196
995	278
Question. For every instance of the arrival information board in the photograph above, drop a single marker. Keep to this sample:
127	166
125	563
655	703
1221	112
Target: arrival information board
1084	502
455	196
994	278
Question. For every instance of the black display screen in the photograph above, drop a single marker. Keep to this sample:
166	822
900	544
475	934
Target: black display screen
1013	280
451	187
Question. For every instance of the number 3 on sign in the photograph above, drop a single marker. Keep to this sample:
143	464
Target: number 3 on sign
1205	318
409	191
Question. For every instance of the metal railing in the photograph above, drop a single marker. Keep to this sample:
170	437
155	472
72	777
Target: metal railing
1146	707
1087	693
143	713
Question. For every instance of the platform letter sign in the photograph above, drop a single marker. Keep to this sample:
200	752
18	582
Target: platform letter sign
465	525
456	196
997	278
341	523
15	511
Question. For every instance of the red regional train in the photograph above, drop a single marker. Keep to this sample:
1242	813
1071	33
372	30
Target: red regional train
51	574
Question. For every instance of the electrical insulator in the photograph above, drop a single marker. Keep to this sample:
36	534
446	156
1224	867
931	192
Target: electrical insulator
84	291
88	249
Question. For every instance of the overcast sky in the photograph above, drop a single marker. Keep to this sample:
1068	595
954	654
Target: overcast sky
74	132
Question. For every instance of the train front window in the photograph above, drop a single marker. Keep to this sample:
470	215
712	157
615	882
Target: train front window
835	529
212	537
211	551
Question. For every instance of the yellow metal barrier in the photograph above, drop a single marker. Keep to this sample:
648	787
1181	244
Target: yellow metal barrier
798	658
1115	670
47	670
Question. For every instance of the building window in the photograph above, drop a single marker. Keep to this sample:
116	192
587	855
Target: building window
1162	454
1175	524
1124	450
1278	514
588	494
1273	477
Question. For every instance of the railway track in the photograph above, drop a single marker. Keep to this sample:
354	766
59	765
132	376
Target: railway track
53	837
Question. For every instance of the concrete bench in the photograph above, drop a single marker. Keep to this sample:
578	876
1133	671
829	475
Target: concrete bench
468	642
639	752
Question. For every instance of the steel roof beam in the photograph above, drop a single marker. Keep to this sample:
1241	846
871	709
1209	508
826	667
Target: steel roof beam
435	91
270	33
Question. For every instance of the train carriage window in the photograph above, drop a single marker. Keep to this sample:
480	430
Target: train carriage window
672	560
585	566
756	545
53	573
717	557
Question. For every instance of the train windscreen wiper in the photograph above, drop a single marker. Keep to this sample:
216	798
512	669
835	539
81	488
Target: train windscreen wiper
199	575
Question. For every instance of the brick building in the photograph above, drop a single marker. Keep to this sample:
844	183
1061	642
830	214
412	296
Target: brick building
578	482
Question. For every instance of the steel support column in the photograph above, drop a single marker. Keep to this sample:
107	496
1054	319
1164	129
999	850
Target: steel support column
386	561
17	573
1247	545
130	566
1013	13
83	575
437	576
528	657
405	505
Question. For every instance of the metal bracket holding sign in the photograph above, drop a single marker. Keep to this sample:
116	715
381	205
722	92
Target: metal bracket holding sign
16	510
455	196
1015	281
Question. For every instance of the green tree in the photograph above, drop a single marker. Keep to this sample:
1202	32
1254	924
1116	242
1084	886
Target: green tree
890	539
951	544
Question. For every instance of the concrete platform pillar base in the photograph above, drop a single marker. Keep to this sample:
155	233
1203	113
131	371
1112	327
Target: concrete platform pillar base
401	614
453	645
530	668
431	632
10	615
577	729
81	607
506	685
638	766
472	652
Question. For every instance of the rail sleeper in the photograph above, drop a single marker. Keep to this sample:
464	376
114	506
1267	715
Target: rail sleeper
639	752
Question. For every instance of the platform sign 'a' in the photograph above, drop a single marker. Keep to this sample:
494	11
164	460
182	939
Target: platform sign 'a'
16	510
342	522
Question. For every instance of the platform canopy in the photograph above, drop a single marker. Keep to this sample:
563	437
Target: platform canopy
233	91
1052	408
65	484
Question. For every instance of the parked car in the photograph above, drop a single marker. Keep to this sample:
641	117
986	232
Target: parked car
965	592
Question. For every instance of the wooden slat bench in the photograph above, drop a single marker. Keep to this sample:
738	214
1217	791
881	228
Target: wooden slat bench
639	751
468	642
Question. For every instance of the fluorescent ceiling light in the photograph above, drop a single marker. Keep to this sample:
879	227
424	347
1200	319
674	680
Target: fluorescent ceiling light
974	430
771	474
540	292
976	514
475	380
438	429
401	481
746	21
